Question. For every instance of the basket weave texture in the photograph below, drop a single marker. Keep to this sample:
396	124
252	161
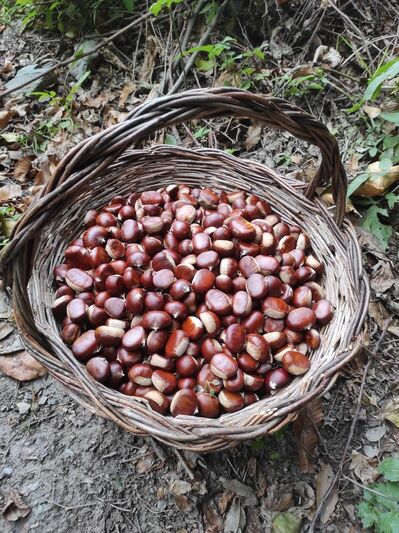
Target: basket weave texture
110	163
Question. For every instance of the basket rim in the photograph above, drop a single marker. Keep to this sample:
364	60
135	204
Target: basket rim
213	428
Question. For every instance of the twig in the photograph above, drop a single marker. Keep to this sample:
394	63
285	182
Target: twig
184	463
76	58
352	428
193	56
368	489
182	45
71	507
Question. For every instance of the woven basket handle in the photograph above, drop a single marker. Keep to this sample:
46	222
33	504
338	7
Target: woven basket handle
94	155
169	110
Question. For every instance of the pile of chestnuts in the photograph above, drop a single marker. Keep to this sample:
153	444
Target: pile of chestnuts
199	301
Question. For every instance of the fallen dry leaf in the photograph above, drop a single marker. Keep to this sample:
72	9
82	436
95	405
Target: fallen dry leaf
22	168
333	57
5	330
382	277
379	181
253	136
184	503
212	518
21	366
279	497
5	117
126	91
390	411
144	464
363	467
223	501
323	482
15	507
371	111
246	494
45	172
305	433
10	191
380	314
235	518
151	51
179	487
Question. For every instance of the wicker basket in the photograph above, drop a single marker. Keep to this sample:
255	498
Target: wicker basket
105	165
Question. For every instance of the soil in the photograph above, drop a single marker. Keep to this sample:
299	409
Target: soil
78	472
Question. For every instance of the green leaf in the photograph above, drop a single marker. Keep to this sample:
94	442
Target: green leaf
286	523
389	142
204	65
356	183
385	164
390	466
388	522
367	514
384	73
392	116
129	5
169	139
157	6
201	132
392	198
373	223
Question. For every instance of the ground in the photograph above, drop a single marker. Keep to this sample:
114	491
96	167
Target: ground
77	472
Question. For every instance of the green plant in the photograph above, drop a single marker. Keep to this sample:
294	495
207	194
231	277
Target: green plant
301	85
68	16
8	218
228	55
44	132
380	506
66	101
372	213
384	73
159	5
200	133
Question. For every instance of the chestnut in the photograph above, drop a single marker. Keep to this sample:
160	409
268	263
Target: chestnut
236	382
295	363
109	336
301	319
208	405
141	374
208	381
231	401
158	401
203	281
193	327
134	339
218	302
164	381
79	280
177	344
99	369
223	366
258	347
211	322
85	346
323	311
184	402
156	320
235	338
209	347
276	378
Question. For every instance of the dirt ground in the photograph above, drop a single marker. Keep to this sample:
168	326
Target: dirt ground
79	473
